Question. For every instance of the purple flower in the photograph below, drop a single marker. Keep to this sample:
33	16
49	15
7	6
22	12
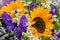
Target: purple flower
1	31
33	5
53	10
4	2
18	32
57	1
13	26
58	35
58	38
8	21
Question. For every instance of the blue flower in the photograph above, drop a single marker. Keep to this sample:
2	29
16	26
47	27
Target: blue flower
33	5
58	38
58	35
53	10
4	2
13	26
1	31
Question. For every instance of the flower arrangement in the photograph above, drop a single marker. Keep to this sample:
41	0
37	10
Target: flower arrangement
29	20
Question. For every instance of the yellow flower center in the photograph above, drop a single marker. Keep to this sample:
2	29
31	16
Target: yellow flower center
39	25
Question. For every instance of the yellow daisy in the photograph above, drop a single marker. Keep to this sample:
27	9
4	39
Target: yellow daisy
13	9
41	24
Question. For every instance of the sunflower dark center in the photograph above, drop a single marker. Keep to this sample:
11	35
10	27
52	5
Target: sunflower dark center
39	25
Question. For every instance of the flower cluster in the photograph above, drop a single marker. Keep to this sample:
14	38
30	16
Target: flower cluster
29	20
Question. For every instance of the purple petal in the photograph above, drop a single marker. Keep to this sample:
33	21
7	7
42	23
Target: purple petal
4	2
32	4
23	28
10	26
53	10
0	6
35	6
58	38
58	1
23	21
1	31
58	34
18	32
8	21
6	17
37	3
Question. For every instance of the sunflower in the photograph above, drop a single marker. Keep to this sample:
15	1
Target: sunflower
13	9
41	22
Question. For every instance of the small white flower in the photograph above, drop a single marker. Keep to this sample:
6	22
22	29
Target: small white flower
26	4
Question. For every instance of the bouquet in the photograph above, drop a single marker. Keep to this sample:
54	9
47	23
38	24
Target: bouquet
29	20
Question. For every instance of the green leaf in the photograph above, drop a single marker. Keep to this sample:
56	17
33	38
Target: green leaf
28	0
24	37
57	13
59	5
34	1
43	38
57	26
38	0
